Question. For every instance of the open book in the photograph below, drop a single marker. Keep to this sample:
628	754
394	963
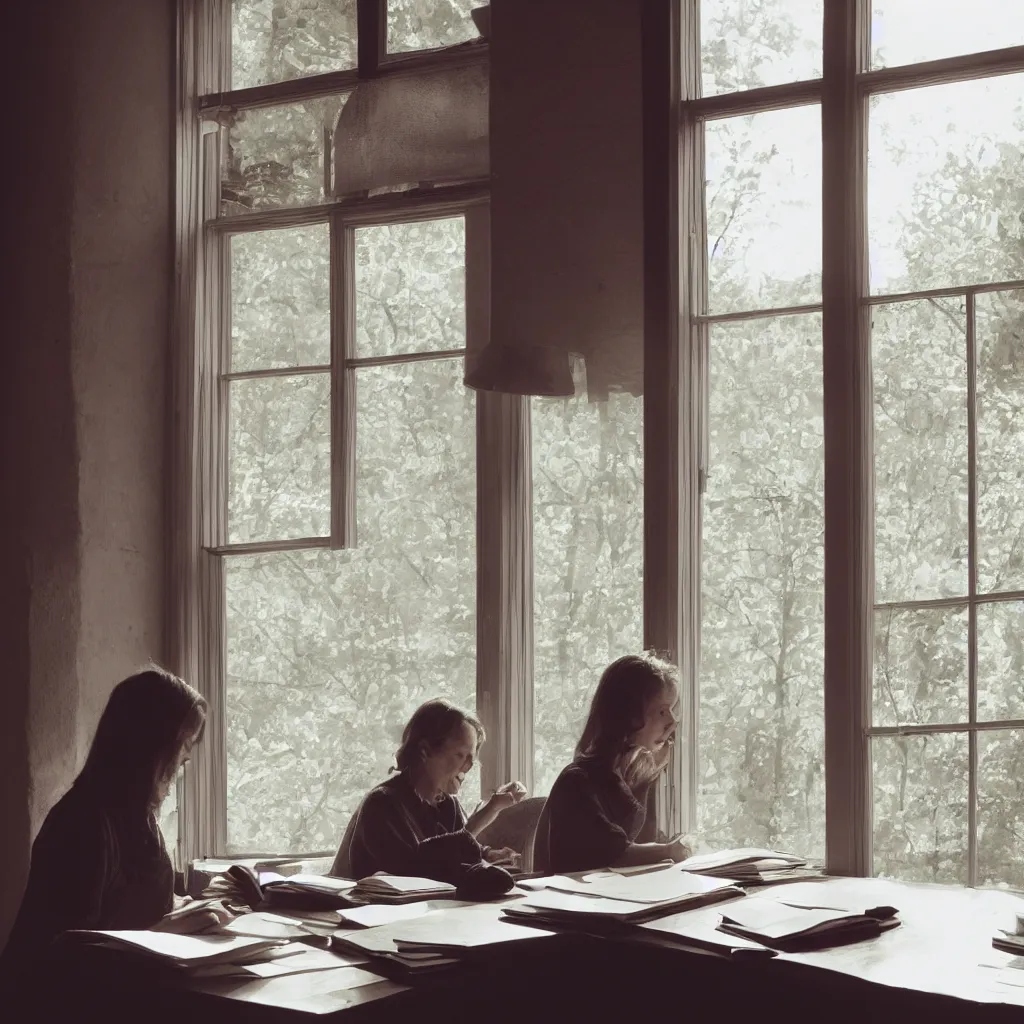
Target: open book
794	929
241	884
385	888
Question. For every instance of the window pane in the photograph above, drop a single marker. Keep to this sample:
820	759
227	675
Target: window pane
920	666
1000	661
281	298
588	560
945	203
169	823
279	485
920	395
762	643
1000	384
1000	808
279	156
918	835
745	45
330	652
277	40
764	210
426	24
901	32
411	287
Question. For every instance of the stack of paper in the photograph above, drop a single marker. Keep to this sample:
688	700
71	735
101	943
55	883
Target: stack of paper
794	929
307	892
437	940
607	898
186	954
385	888
746	866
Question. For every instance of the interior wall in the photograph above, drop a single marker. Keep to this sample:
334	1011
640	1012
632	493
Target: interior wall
86	325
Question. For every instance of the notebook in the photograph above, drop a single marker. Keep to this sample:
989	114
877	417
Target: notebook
797	929
385	888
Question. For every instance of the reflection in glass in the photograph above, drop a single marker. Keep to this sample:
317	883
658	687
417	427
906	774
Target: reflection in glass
900	35
279	482
1001	809
764	210
1000	389
945	202
1000	661
588	560
280	298
411	287
920	666
919	359
920	807
277	40
330	652
279	156
427	24
762	639
746	46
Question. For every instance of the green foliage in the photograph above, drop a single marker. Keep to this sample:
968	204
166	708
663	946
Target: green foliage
330	651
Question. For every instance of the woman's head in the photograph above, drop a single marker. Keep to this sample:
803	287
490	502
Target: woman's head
146	732
634	706
438	748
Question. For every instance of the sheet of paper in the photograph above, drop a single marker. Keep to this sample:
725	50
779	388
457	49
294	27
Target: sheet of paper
304	962
376	914
728	858
404	884
776	920
263	925
186	949
652	887
322	883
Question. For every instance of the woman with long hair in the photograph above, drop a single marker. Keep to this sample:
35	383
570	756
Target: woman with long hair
413	823
99	860
601	810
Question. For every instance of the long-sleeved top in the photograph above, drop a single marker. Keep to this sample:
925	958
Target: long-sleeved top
94	865
396	831
591	818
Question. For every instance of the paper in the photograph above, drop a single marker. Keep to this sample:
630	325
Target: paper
303	962
403	884
666	885
188	950
376	914
774	920
319	883
262	925
732	858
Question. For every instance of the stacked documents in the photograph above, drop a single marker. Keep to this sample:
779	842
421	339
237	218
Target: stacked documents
385	888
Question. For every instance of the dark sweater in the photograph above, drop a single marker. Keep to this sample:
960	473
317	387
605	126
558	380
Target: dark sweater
590	819
396	831
94	865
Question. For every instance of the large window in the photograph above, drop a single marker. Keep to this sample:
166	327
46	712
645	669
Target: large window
858	414
359	525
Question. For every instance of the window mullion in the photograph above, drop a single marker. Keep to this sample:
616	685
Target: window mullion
343	385
504	539
846	368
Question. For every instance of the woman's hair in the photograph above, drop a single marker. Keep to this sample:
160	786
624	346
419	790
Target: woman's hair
140	734
431	724
620	702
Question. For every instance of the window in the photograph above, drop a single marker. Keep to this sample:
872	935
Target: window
356	530
858	413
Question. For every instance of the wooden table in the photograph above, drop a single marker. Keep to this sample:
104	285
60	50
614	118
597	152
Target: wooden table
930	967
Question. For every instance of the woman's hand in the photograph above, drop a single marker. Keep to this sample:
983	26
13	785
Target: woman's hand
505	796
503	857
679	848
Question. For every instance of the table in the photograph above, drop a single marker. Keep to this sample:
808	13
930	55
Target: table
930	966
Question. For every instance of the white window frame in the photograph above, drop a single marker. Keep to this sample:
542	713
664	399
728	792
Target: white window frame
198	540
843	94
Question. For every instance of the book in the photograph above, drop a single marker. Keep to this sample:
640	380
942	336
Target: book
268	889
385	888
793	929
574	909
